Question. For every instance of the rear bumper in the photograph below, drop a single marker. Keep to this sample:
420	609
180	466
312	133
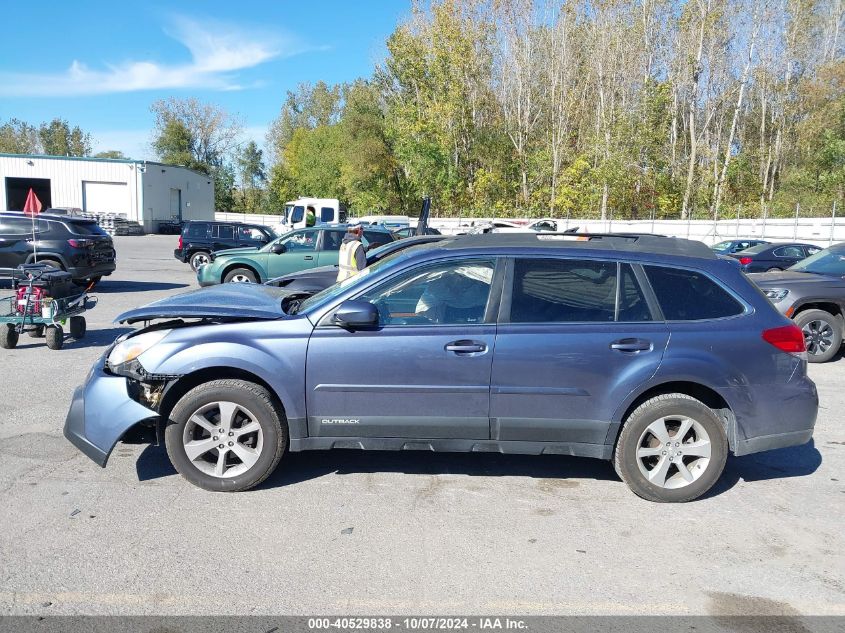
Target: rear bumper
179	254
103	269
100	414
779	419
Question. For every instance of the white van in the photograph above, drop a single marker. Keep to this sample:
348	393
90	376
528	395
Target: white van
327	210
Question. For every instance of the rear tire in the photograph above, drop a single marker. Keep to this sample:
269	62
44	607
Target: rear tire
207	422
54	263
8	336
198	259
55	336
78	327
774	269
36	332
240	275
658	465
822	334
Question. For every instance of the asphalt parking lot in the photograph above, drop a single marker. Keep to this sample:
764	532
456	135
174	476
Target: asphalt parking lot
382	533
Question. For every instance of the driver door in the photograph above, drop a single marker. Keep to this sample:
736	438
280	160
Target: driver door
300	253
424	372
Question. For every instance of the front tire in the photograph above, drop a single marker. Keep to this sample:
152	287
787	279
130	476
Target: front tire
240	276
55	336
78	327
672	449
8	336
822	334
226	435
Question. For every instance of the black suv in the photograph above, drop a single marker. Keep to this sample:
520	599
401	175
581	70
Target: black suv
77	245
199	239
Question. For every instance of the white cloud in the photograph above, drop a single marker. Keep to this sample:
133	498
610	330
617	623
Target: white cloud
218	50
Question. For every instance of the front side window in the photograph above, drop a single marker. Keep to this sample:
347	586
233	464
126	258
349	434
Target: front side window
252	233
332	240
302	241
453	293
297	214
687	295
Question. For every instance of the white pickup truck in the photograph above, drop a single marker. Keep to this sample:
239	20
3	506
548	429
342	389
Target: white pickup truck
326	211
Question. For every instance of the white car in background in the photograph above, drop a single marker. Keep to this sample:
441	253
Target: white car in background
505	226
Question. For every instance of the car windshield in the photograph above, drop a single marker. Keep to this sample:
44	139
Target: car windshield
826	262
334	290
266	248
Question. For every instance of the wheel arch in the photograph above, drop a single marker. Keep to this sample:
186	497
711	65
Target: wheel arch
232	266
831	307
706	394
47	255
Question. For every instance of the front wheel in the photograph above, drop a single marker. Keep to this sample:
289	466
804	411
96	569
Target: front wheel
240	276
672	448
8	336
226	435
55	336
822	334
78	327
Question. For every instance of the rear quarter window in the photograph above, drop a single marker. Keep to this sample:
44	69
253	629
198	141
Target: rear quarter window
196	230
687	295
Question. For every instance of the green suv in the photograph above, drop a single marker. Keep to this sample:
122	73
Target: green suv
292	252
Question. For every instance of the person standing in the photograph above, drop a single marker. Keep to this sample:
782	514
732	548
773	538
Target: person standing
310	216
351	259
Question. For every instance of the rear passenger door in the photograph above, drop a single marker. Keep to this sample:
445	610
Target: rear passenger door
330	247
222	237
15	241
575	337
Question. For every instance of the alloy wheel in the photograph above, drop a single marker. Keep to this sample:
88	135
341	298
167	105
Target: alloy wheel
240	279
223	439
673	452
818	335
200	259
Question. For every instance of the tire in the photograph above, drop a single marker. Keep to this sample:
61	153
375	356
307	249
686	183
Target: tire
705	436
55	336
55	263
226	472
198	259
8	336
78	327
774	269
240	275
36	332
822	333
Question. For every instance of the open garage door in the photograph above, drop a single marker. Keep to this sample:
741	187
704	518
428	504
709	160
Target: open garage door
106	197
18	188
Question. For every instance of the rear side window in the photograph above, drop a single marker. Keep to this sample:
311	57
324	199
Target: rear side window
22	226
332	240
197	230
376	238
563	291
85	228
686	295
223	231
789	251
326	214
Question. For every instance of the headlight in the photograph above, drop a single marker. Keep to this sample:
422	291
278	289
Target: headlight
133	347
776	294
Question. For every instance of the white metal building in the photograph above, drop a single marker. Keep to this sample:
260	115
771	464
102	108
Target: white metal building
143	191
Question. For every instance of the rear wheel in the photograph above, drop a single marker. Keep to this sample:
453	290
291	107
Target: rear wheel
55	336
199	259
226	435
822	334
36	332
8	336
672	448
78	327
53	263
240	276
774	269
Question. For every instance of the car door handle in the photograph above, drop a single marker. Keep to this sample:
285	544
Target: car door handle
465	347
309	257
631	345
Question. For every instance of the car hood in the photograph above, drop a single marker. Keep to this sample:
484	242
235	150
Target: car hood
224	301
243	250
788	277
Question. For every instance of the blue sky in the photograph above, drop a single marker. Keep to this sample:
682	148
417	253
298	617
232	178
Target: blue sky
101	64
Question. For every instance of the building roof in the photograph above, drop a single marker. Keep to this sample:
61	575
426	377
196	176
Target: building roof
94	159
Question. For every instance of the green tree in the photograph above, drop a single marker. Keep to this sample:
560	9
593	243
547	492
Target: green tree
59	139
111	153
250	162
19	137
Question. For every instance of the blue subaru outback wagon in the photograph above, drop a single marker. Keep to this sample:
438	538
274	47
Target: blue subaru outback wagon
650	352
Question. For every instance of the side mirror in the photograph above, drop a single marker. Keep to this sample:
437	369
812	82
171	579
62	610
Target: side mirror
279	248
354	314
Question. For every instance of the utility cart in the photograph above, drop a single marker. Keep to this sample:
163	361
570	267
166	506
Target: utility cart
43	301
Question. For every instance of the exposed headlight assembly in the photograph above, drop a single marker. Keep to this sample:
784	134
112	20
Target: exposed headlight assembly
776	294
131	348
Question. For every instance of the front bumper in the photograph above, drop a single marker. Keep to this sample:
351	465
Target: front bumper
100	414
205	277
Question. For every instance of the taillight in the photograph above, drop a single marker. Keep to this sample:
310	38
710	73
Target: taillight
789	339
745	261
80	243
180	242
